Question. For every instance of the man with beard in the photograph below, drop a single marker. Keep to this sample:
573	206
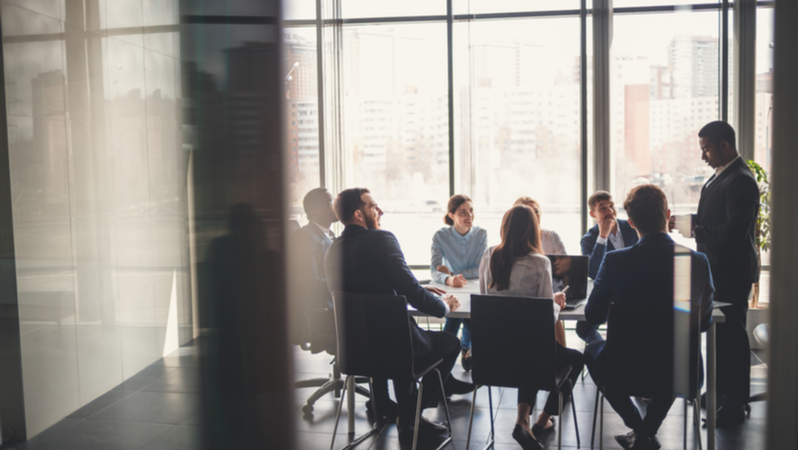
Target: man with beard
366	259
608	234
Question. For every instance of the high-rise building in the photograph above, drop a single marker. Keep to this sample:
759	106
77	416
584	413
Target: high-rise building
694	62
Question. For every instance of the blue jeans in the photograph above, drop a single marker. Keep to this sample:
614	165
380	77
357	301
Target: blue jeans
452	325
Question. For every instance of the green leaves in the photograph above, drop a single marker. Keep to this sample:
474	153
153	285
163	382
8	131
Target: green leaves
762	222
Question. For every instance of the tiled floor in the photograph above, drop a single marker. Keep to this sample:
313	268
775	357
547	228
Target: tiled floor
157	410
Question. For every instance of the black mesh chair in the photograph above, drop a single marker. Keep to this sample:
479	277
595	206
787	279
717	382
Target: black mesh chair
374	341
640	362
513	345
314	331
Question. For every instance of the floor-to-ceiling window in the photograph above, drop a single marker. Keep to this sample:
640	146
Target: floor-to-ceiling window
489	99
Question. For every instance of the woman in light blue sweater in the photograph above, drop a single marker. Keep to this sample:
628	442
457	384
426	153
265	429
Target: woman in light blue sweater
456	254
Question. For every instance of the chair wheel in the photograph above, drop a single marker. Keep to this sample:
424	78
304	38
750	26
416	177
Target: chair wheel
307	409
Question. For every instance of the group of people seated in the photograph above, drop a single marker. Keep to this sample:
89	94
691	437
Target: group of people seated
366	259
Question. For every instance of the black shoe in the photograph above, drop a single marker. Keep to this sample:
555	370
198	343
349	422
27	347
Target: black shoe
540	431
654	444
405	431
386	409
453	386
525	440
626	440
466	360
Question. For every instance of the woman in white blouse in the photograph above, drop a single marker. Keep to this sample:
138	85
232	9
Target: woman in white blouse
551	242
516	267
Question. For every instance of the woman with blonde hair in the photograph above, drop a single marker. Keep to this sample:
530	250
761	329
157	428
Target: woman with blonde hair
456	253
551	242
517	267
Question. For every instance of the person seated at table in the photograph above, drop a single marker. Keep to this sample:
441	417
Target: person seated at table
456	253
366	259
516	267
608	234
551	241
551	245
624	276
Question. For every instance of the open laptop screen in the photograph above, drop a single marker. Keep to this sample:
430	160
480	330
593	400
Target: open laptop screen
572	271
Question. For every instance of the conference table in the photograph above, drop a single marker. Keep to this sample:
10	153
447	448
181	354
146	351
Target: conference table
472	287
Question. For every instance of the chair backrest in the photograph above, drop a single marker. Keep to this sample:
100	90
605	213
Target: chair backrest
513	341
646	356
373	335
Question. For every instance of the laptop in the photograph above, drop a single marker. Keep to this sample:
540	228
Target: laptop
572	271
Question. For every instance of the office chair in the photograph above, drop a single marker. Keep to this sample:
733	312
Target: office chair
316	333
514	344
374	340
638	359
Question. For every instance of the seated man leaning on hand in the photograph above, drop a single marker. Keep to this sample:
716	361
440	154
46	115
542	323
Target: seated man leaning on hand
366	259
624	275
608	234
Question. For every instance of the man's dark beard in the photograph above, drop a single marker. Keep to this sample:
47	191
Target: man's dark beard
372	223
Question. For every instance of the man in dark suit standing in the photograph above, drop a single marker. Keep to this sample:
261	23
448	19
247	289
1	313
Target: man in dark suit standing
608	234
366	259
624	277
724	229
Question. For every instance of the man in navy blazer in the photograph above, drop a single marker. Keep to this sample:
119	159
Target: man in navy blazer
608	234
643	275
724	229
366	259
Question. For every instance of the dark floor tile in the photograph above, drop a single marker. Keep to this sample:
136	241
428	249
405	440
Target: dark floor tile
59	427
186	436
145	377
155	407
104	435
163	445
181	380
109	398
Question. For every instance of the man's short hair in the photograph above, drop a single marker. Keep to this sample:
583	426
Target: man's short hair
348	202
717	132
599	196
647	206
314	198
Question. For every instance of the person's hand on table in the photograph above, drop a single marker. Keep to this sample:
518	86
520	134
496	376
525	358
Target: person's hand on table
435	290
443	269
456	281
451	301
561	299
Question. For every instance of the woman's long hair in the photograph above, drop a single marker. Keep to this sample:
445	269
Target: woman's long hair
519	236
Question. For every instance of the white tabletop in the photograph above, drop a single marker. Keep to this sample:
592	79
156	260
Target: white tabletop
472	287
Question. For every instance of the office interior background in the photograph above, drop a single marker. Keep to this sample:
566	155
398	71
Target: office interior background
157	152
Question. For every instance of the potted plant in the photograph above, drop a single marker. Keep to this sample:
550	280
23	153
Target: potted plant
758	313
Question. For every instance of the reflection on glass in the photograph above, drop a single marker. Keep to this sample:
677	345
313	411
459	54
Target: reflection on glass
517	118
99	188
664	88
395	115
